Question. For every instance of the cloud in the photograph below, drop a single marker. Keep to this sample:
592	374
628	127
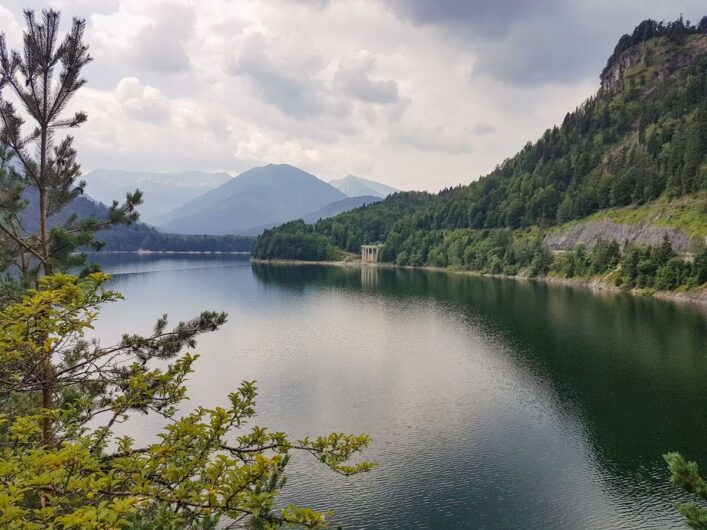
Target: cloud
144	103
161	44
471	18
416	93
10	26
284	74
482	127
427	136
316	4
539	42
353	78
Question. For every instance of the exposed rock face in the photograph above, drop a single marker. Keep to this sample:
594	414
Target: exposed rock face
590	232
613	77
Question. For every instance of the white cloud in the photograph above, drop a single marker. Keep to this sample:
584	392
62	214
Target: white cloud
143	103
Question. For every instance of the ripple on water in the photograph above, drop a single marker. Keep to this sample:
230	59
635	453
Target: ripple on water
491	404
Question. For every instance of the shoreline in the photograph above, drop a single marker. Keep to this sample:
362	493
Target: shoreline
143	252
697	298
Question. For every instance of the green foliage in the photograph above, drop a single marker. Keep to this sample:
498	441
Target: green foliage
347	231
294	240
142	237
656	267
206	466
687	214
637	267
686	475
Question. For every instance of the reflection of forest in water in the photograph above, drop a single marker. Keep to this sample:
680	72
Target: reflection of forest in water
636	366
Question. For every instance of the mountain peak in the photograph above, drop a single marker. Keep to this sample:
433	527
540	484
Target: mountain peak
353	186
260	196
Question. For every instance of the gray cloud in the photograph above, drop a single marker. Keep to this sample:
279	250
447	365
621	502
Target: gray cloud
482	127
290	82
427	136
317	4
160	45
535	42
471	18
353	78
542	51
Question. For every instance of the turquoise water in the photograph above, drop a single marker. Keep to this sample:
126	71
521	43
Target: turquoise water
492	403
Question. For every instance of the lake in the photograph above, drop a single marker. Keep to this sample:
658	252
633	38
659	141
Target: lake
493	404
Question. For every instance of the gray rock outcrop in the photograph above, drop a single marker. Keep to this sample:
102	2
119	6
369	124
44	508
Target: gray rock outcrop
592	231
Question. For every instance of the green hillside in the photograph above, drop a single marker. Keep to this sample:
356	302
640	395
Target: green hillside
642	138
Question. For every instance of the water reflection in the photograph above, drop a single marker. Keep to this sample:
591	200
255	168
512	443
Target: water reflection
493	404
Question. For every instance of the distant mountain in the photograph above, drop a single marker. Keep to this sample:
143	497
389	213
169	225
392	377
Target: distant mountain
330	210
258	197
338	207
162	191
353	186
137	236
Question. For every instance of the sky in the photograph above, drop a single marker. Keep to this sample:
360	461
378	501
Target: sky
418	94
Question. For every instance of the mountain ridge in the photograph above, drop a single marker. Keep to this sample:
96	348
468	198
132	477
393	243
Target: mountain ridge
261	195
161	191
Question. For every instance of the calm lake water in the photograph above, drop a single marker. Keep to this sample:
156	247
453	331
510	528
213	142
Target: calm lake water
493	404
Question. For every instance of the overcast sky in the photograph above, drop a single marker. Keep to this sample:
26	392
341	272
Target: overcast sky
419	94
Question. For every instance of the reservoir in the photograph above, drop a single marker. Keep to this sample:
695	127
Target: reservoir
492	404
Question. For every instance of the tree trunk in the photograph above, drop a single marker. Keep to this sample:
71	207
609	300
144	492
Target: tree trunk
47	366
43	233
42	189
47	403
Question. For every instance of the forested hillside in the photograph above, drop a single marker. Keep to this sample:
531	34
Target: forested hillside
641	137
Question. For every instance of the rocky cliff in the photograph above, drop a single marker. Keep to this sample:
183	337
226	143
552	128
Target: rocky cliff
651	62
590	232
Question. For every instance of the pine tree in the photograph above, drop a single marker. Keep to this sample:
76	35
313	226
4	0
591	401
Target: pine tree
44	77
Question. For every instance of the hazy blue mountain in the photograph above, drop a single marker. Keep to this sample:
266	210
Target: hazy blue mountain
338	207
137	236
259	197
335	208
353	186
162	191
